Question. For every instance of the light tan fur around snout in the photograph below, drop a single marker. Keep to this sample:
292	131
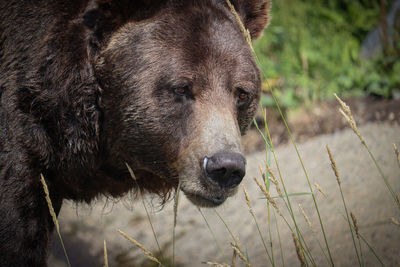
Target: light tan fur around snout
217	131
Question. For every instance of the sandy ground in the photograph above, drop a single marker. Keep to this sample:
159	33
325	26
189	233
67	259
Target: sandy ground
84	228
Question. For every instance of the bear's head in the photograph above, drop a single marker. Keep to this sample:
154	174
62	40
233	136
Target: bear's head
180	86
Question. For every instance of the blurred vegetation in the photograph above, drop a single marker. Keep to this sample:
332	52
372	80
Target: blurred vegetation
312	49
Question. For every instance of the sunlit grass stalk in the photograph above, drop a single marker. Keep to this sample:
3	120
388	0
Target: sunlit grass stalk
233	258
147	212
136	243
362	237
299	251
105	255
176	203
287	202
355	224
266	178
313	232
319	188
394	221
246	34
274	204
53	215
364	240
335	170
270	235
267	185
346	112
397	153
216	264
227	227
258	227
306	174
240	254
279	238
230	232
211	231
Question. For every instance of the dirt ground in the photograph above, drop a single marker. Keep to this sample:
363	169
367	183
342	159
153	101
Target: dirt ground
84	228
323	118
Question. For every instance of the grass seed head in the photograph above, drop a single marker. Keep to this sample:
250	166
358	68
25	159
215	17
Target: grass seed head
355	223
278	189
136	243
299	251
394	221
333	165
234	258
320	190
216	264
245	32
270	171
346	112
240	254
306	218
49	203
396	151
247	199
268	196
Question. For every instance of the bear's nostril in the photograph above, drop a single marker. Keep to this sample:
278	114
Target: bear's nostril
219	172
225	168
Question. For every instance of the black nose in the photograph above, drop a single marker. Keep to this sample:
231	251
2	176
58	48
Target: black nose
225	168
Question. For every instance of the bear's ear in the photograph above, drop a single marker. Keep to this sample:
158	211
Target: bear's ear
254	13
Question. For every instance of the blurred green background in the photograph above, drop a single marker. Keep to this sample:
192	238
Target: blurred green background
313	48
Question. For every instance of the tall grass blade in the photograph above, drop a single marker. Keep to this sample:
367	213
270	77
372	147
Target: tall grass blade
105	255
299	251
355	224
53	215
176	203
136	243
306	174
287	202
147	212
271	259
346	112
334	168
280	240
211	231
397	153
241	256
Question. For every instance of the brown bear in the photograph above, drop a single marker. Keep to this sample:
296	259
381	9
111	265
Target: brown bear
86	86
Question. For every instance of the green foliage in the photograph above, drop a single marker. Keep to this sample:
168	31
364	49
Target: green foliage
311	50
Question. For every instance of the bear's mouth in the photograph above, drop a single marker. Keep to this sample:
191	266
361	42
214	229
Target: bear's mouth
203	201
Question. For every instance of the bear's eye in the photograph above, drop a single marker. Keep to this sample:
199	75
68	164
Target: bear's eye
242	97
182	91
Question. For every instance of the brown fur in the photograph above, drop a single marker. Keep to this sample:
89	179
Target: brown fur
86	86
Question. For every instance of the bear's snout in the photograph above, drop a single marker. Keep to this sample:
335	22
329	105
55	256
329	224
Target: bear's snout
225	168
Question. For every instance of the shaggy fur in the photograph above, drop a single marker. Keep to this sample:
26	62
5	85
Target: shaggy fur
86	86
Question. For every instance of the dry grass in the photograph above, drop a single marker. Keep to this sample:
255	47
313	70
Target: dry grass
319	188
53	215
346	112
240	254
396	151
105	255
299	251
149	255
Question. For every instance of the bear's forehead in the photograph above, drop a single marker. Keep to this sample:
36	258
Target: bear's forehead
207	36
205	25
201	41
